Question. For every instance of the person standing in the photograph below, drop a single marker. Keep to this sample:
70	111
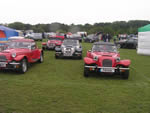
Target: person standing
114	38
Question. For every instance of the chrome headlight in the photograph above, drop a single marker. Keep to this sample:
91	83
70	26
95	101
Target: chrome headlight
13	55
95	58
77	47
118	59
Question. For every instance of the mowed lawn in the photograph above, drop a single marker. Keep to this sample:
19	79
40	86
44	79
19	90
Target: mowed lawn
58	86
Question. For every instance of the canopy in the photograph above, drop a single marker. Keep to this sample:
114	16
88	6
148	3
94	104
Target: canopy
145	28
144	40
6	32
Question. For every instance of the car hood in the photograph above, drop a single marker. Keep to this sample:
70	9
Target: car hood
8	52
54	41
18	50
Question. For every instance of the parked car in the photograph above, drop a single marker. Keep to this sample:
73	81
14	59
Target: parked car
69	48
52	43
36	36
130	43
76	36
104	58
19	54
91	38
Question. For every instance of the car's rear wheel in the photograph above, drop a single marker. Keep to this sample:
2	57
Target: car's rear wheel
24	66
41	58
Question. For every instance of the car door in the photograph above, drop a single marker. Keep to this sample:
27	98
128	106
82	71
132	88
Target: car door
34	52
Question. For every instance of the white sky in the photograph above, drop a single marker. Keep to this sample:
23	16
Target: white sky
73	11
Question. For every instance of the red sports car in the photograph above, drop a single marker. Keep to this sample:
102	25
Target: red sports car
52	43
104	58
19	54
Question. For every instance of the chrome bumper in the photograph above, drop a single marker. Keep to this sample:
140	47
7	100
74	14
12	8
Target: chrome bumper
98	67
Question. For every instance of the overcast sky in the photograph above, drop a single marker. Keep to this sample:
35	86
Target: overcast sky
73	11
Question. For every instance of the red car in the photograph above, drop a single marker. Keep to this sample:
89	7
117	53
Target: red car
52	43
19	54
104	58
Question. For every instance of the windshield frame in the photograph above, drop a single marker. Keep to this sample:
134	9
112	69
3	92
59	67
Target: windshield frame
69	43
16	45
105	48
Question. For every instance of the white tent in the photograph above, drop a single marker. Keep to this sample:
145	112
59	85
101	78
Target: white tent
144	40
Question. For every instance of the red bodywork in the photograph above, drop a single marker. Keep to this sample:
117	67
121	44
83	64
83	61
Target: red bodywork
51	44
57	36
31	54
105	55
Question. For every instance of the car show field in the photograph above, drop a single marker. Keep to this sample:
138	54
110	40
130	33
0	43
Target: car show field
58	86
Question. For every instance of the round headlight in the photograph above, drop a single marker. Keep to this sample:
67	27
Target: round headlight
13	55
118	59
95	58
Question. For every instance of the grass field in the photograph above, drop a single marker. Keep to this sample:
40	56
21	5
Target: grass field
58	86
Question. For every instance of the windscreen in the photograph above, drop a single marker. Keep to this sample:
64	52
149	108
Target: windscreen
104	48
19	44
71	42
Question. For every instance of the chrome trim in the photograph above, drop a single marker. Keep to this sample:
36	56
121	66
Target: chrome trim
107	67
78	53
14	63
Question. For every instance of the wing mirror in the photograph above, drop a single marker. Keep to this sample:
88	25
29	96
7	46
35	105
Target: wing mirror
89	50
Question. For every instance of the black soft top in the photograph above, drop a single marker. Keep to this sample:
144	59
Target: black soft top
104	43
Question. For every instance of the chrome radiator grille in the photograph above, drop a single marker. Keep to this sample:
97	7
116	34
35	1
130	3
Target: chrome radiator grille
107	63
3	58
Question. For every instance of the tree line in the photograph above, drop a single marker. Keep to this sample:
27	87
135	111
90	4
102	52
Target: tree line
117	27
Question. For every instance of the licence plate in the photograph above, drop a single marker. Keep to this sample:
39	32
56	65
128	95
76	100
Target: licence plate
67	54
3	64
107	70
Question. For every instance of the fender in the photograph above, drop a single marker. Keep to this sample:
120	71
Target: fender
89	60
88	54
41	52
124	63
18	58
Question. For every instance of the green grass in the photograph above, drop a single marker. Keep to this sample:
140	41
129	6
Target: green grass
58	86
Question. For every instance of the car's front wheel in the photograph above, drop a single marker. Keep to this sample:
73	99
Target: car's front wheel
24	66
56	56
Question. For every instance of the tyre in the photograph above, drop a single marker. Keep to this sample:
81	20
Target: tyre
43	48
24	66
80	57
125	75
41	58
56	57
86	72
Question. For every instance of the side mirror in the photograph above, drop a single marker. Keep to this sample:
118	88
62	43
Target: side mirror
89	50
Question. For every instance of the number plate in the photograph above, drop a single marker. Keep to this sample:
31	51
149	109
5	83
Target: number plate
67	54
107	70
3	64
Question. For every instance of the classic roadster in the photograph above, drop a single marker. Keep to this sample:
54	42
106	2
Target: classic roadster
104	58
69	48
19	54
52	43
